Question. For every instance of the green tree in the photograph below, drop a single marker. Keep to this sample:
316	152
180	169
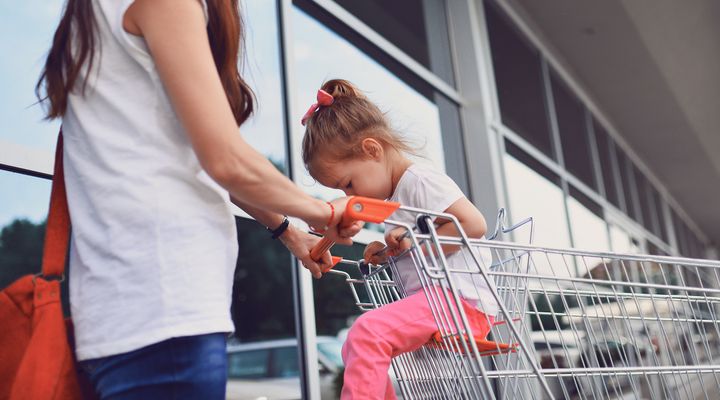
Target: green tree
21	245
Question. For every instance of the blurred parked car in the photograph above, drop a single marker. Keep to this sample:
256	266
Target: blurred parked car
270	370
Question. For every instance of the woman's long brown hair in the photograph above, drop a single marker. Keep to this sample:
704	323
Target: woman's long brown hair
64	61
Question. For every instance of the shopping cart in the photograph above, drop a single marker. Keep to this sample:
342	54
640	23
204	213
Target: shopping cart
572	324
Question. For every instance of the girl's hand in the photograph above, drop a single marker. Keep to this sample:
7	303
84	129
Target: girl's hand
299	243
370	254
396	243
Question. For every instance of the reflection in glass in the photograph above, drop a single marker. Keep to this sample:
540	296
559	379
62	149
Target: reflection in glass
265	130
647	208
606	153
620	240
627	176
320	54
518	77
262	306
248	365
573	132
689	245
335	308
589	230
417	27
23	210
658	201
26	30
679	233
536	194
285	362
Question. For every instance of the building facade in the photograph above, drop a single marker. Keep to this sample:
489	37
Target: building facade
474	84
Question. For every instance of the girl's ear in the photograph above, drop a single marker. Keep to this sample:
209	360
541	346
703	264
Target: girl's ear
372	149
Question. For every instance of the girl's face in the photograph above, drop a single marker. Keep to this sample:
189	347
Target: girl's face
367	175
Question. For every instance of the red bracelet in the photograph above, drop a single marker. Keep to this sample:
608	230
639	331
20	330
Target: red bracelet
332	215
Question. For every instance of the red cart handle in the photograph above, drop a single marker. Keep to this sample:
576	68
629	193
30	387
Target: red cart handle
357	209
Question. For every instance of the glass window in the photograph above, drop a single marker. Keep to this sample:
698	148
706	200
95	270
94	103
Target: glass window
249	364
589	230
698	248
332	350
417	27
265	130
572	125
658	201
606	153
680	237
687	239
647	203
620	240
23	211
262	294
534	191
624	243
285	362
627	177
519	81
321	54
25	37
335	308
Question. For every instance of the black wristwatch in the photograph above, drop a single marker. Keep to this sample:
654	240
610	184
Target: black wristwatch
280	229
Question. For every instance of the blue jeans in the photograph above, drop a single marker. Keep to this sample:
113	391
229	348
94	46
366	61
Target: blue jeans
192	367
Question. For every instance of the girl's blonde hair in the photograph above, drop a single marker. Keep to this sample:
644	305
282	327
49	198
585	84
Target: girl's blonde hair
336	130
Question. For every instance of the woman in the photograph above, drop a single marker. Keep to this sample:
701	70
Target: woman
151	99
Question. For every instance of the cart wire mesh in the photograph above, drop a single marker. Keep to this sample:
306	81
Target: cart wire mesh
572	324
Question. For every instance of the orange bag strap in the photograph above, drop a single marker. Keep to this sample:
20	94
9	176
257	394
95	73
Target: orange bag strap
57	231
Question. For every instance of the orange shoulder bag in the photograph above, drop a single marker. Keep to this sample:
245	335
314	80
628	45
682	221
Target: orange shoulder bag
36	360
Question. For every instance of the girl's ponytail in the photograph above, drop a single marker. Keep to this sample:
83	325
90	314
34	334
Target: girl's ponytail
339	88
334	128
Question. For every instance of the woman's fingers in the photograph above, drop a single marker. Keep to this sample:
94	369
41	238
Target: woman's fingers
313	266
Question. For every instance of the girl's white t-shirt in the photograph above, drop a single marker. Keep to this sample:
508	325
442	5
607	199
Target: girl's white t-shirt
154	243
422	187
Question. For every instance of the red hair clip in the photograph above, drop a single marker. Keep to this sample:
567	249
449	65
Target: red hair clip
323	99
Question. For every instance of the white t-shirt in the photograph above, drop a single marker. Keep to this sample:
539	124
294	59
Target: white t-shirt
425	188
154	243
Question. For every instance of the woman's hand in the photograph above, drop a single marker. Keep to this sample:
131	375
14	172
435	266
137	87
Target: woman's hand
299	243
339	230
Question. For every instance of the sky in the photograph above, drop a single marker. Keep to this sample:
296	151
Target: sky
26	30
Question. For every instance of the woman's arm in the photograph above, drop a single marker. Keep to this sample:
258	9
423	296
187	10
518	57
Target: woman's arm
176	35
298	242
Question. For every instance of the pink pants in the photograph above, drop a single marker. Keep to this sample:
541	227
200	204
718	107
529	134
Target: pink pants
386	332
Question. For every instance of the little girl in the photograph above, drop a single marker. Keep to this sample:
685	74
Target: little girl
349	145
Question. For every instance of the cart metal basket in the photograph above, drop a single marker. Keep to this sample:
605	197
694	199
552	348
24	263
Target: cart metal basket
572	324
